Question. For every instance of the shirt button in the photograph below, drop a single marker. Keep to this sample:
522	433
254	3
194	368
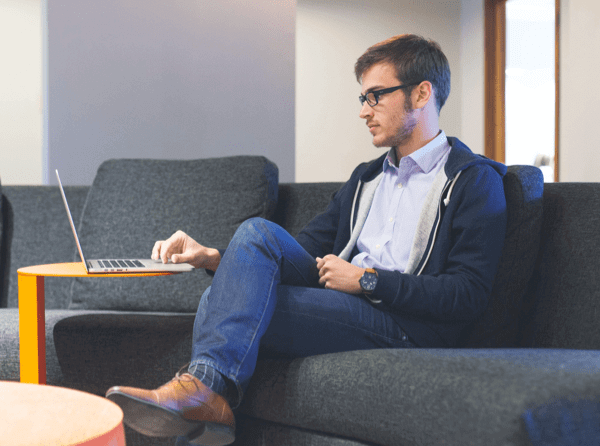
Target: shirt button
377	246
391	219
400	186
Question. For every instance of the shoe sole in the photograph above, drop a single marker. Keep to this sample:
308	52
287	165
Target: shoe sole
155	421
212	434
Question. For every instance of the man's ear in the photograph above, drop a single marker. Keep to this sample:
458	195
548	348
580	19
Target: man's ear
422	94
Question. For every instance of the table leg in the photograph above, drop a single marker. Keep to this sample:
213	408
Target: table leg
32	329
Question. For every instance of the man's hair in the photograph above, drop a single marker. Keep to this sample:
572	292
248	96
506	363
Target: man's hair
415	58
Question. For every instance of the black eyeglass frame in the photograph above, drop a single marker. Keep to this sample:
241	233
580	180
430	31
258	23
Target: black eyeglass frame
364	97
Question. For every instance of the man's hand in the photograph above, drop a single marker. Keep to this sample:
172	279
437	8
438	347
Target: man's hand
181	248
337	274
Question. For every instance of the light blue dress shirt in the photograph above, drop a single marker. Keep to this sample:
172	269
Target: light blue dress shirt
387	237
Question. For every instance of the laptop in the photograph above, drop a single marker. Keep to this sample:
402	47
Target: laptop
109	265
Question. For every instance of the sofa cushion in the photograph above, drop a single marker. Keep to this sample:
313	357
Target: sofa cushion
253	432
422	396
499	325
38	232
9	347
100	349
133	203
92	350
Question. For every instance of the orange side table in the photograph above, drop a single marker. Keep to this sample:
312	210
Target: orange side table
55	416
32	318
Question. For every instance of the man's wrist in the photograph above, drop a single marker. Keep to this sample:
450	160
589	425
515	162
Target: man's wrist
213	258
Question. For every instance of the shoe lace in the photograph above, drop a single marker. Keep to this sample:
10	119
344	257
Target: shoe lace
180	378
185	367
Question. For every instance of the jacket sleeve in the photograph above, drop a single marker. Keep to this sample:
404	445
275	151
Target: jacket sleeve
330	230
458	278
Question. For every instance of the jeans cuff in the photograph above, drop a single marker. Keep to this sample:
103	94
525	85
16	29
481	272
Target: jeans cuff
232	392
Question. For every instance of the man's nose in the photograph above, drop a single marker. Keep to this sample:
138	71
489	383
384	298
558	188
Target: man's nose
366	110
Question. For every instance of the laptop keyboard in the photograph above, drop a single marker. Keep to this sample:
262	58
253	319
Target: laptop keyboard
121	264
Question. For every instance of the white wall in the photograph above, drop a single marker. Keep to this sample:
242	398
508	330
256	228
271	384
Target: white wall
579	153
330	35
472	72
20	92
118	82
169	79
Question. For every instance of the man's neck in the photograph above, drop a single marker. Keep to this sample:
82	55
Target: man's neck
417	140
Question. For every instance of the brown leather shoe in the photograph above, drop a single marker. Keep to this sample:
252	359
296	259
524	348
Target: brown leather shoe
183	406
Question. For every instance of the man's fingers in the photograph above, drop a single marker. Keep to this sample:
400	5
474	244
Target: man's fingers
321	262
166	250
179	248
163	249
323	276
156	250
181	258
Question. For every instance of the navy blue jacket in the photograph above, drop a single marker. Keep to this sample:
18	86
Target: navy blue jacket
451	286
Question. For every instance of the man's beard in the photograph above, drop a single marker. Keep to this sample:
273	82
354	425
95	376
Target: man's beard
409	122
408	126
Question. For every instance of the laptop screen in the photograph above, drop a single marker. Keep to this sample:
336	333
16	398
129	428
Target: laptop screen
64	197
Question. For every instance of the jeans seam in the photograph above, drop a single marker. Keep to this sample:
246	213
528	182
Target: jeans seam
237	371
269	294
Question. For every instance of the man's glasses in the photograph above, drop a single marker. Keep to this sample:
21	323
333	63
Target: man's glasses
372	97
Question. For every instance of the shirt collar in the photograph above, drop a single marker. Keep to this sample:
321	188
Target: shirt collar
426	157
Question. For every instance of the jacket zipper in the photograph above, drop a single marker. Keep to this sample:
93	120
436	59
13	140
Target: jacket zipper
353	211
445	201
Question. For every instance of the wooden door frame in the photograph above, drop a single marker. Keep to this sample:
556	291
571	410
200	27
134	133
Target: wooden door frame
495	65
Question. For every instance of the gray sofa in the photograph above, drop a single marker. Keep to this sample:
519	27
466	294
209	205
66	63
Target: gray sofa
528	372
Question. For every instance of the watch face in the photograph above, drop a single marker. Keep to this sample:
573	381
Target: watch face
368	281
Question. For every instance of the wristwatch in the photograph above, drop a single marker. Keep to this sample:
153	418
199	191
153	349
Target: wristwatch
368	281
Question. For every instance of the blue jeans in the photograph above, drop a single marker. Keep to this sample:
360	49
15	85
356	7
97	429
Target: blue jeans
266	294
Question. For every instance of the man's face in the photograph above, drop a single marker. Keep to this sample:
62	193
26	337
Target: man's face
391	121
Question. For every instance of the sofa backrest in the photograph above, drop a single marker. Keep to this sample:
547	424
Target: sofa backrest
35	231
133	203
565	289
558	311
3	255
299	202
499	325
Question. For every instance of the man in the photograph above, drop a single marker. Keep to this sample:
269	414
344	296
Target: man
404	256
